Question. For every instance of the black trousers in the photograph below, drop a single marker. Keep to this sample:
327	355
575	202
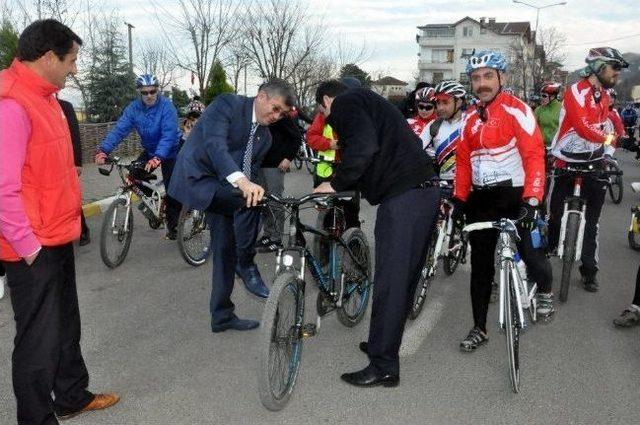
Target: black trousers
593	190
490	205
403	227
636	295
46	356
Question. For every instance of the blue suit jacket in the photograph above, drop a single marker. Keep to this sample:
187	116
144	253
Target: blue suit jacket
215	149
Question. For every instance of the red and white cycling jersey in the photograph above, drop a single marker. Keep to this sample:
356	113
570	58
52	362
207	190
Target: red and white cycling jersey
506	149
418	125
584	124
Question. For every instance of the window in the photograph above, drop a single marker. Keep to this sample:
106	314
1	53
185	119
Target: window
442	56
467	31
437	77
466	53
439	32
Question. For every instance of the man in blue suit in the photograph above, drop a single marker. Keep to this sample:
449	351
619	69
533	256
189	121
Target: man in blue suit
214	171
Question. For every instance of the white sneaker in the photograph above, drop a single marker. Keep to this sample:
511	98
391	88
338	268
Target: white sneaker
3	281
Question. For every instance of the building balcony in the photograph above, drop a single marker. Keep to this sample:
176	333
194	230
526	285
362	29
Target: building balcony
436	66
445	42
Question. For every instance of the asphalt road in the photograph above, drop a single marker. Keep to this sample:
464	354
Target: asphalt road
146	335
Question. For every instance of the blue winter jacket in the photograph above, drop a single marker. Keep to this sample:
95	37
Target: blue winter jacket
157	126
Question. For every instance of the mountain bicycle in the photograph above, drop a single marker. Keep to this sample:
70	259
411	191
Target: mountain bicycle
344	286
573	219
117	225
447	244
515	292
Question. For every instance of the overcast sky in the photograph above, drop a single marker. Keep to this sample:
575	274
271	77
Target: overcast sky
389	27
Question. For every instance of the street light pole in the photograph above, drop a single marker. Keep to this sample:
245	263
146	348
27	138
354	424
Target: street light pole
129	27
535	38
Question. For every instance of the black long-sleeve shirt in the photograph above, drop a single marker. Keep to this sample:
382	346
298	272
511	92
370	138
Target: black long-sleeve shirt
381	156
286	139
74	128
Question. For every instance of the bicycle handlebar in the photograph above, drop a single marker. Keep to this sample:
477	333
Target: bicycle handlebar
310	197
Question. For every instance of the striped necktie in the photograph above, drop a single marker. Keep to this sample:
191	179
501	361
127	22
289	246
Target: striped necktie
246	161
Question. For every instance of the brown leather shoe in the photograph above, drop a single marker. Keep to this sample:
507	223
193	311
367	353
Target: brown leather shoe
99	402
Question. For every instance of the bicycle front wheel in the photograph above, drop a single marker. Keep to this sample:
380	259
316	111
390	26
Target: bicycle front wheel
116	233
569	253
194	237
280	342
511	328
357	280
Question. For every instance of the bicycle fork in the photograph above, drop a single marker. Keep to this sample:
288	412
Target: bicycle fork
580	210
127	200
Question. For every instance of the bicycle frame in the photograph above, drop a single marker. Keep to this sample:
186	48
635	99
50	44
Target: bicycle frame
577	200
153	201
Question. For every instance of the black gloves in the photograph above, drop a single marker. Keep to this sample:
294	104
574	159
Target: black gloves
528	216
457	215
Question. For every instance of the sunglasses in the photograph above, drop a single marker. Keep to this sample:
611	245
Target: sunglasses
148	93
424	107
544	96
616	66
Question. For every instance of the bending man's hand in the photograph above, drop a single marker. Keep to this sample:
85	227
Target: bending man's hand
252	192
324	188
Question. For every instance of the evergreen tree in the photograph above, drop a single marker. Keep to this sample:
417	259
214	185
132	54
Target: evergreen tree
111	84
217	83
8	44
353	70
179	97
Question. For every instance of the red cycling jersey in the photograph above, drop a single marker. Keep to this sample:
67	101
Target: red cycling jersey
616	121
504	149
584	124
419	124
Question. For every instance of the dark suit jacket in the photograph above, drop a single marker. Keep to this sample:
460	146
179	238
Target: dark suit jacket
381	156
215	149
286	138
74	128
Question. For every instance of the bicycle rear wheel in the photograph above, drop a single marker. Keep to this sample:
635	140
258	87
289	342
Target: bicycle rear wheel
280	342
357	281
615	186
115	237
569	253
194	237
511	327
425	278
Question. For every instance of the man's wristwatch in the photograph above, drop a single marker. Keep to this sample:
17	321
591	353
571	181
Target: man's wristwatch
533	202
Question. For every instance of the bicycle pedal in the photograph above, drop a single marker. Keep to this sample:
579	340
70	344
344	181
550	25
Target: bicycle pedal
308	330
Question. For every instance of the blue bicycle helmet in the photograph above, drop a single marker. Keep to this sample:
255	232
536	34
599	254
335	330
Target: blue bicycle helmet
146	80
486	59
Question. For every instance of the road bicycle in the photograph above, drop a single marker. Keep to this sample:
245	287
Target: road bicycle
344	286
573	219
447	245
118	222
516	293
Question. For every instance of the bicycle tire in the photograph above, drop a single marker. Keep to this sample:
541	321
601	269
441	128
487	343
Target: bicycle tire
424	280
357	281
616	187
512	331
568	254
198	232
452	260
633	235
285	284
124	238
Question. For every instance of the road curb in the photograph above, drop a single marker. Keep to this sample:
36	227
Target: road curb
98	207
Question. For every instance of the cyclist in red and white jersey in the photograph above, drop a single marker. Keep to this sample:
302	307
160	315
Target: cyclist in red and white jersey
499	173
443	134
585	136
426	107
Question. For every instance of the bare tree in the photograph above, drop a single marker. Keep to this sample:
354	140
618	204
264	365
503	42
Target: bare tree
157	61
345	52
237	60
553	43
315	68
204	28
279	38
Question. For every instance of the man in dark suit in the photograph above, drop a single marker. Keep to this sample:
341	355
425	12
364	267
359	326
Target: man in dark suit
219	160
384	160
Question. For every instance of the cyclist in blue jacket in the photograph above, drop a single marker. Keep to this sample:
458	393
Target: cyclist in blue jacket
155	119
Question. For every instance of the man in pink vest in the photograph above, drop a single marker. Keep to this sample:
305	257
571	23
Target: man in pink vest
40	208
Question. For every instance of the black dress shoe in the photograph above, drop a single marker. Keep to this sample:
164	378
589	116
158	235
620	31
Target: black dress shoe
371	377
236	324
364	347
253	281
